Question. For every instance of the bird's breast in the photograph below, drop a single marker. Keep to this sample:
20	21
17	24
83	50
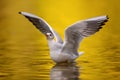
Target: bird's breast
61	57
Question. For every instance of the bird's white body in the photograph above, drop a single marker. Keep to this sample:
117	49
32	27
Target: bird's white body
67	51
56	53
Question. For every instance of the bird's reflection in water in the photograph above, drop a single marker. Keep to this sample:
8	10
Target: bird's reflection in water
64	72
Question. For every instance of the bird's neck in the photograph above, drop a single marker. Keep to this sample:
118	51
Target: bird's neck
51	43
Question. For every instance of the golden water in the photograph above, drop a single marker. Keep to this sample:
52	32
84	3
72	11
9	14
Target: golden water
24	54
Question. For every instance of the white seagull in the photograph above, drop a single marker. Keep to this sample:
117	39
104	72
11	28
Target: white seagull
66	51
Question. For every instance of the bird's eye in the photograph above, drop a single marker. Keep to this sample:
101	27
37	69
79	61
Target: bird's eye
50	34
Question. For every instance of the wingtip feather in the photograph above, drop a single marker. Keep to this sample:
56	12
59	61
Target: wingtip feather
19	12
26	14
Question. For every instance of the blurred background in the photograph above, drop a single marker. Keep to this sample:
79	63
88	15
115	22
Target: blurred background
24	54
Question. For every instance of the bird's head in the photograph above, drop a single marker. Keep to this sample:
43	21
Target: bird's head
49	35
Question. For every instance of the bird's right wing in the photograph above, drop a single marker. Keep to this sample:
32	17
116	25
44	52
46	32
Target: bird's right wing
76	32
42	25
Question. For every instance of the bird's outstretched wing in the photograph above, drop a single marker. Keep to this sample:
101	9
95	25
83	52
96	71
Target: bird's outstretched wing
76	32
42	25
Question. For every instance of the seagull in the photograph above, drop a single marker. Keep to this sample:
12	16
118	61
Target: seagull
66	51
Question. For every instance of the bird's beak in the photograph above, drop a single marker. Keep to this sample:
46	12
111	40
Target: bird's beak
46	35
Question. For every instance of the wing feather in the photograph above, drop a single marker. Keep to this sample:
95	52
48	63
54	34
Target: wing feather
38	22
76	32
41	25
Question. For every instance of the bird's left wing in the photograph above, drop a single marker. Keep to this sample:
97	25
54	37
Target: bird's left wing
76	32
41	25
